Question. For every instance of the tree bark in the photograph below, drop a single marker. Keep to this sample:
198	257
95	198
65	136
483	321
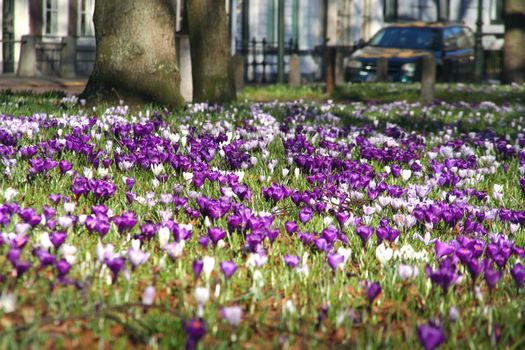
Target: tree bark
212	71
513	50
136	57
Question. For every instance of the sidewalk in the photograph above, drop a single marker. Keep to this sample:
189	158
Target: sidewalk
42	84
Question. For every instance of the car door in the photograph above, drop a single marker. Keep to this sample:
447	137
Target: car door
457	54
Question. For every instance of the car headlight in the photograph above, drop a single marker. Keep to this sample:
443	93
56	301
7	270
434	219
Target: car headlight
409	68
354	64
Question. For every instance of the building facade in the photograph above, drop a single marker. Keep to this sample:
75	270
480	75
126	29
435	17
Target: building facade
48	21
310	25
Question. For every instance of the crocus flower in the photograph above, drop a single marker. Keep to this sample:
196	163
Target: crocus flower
232	315
195	330
364	233
63	268
492	277
334	260
430	336
443	249
228	268
174	249
148	296
197	267
305	214
115	264
137	257
216	234
291	227
518	274
372	290
291	260
208	263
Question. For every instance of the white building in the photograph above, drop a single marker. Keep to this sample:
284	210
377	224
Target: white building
307	23
49	21
345	23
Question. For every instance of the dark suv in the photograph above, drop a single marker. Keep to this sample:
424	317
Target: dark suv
403	45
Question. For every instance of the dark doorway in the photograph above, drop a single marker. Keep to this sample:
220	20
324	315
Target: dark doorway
8	37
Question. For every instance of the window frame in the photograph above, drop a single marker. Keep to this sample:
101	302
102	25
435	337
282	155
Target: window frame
395	13
494	16
50	24
85	16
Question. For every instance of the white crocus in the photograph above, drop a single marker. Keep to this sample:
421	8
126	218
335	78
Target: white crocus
164	236
345	252
9	194
44	241
69	252
88	173
406	271
148	296
157	169
406	174
383	253
208	263
232	315
8	302
187	176
201	295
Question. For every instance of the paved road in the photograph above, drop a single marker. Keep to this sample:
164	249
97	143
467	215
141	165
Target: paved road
41	84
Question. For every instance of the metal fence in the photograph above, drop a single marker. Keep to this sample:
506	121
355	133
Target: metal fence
48	56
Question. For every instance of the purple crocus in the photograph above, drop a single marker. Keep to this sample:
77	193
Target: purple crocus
372	291
306	214
518	274
334	260
216	234
197	267
57	238
291	227
137	257
195	330
430	336
291	260
364	232
492	277
228	268
443	249
115	264
63	268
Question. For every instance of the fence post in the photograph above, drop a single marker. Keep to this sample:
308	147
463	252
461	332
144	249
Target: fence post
254	60
182	43
68	57
330	69
382	69
428	78
339	68
294	72
27	60
238	71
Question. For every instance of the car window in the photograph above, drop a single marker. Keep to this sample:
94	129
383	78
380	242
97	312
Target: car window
466	38
450	39
407	38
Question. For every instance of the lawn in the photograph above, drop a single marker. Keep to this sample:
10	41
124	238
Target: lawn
368	221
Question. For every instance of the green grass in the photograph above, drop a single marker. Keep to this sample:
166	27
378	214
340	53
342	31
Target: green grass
111	316
386	93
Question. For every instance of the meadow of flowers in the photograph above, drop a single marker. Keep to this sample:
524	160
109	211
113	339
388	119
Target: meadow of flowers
286	224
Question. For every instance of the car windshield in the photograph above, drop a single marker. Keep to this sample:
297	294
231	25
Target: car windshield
407	38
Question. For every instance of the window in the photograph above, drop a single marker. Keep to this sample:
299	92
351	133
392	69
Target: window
85	18
390	10
496	11
50	17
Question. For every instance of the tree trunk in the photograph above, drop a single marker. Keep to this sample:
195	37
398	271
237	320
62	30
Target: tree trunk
513	51
136	57
212	71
